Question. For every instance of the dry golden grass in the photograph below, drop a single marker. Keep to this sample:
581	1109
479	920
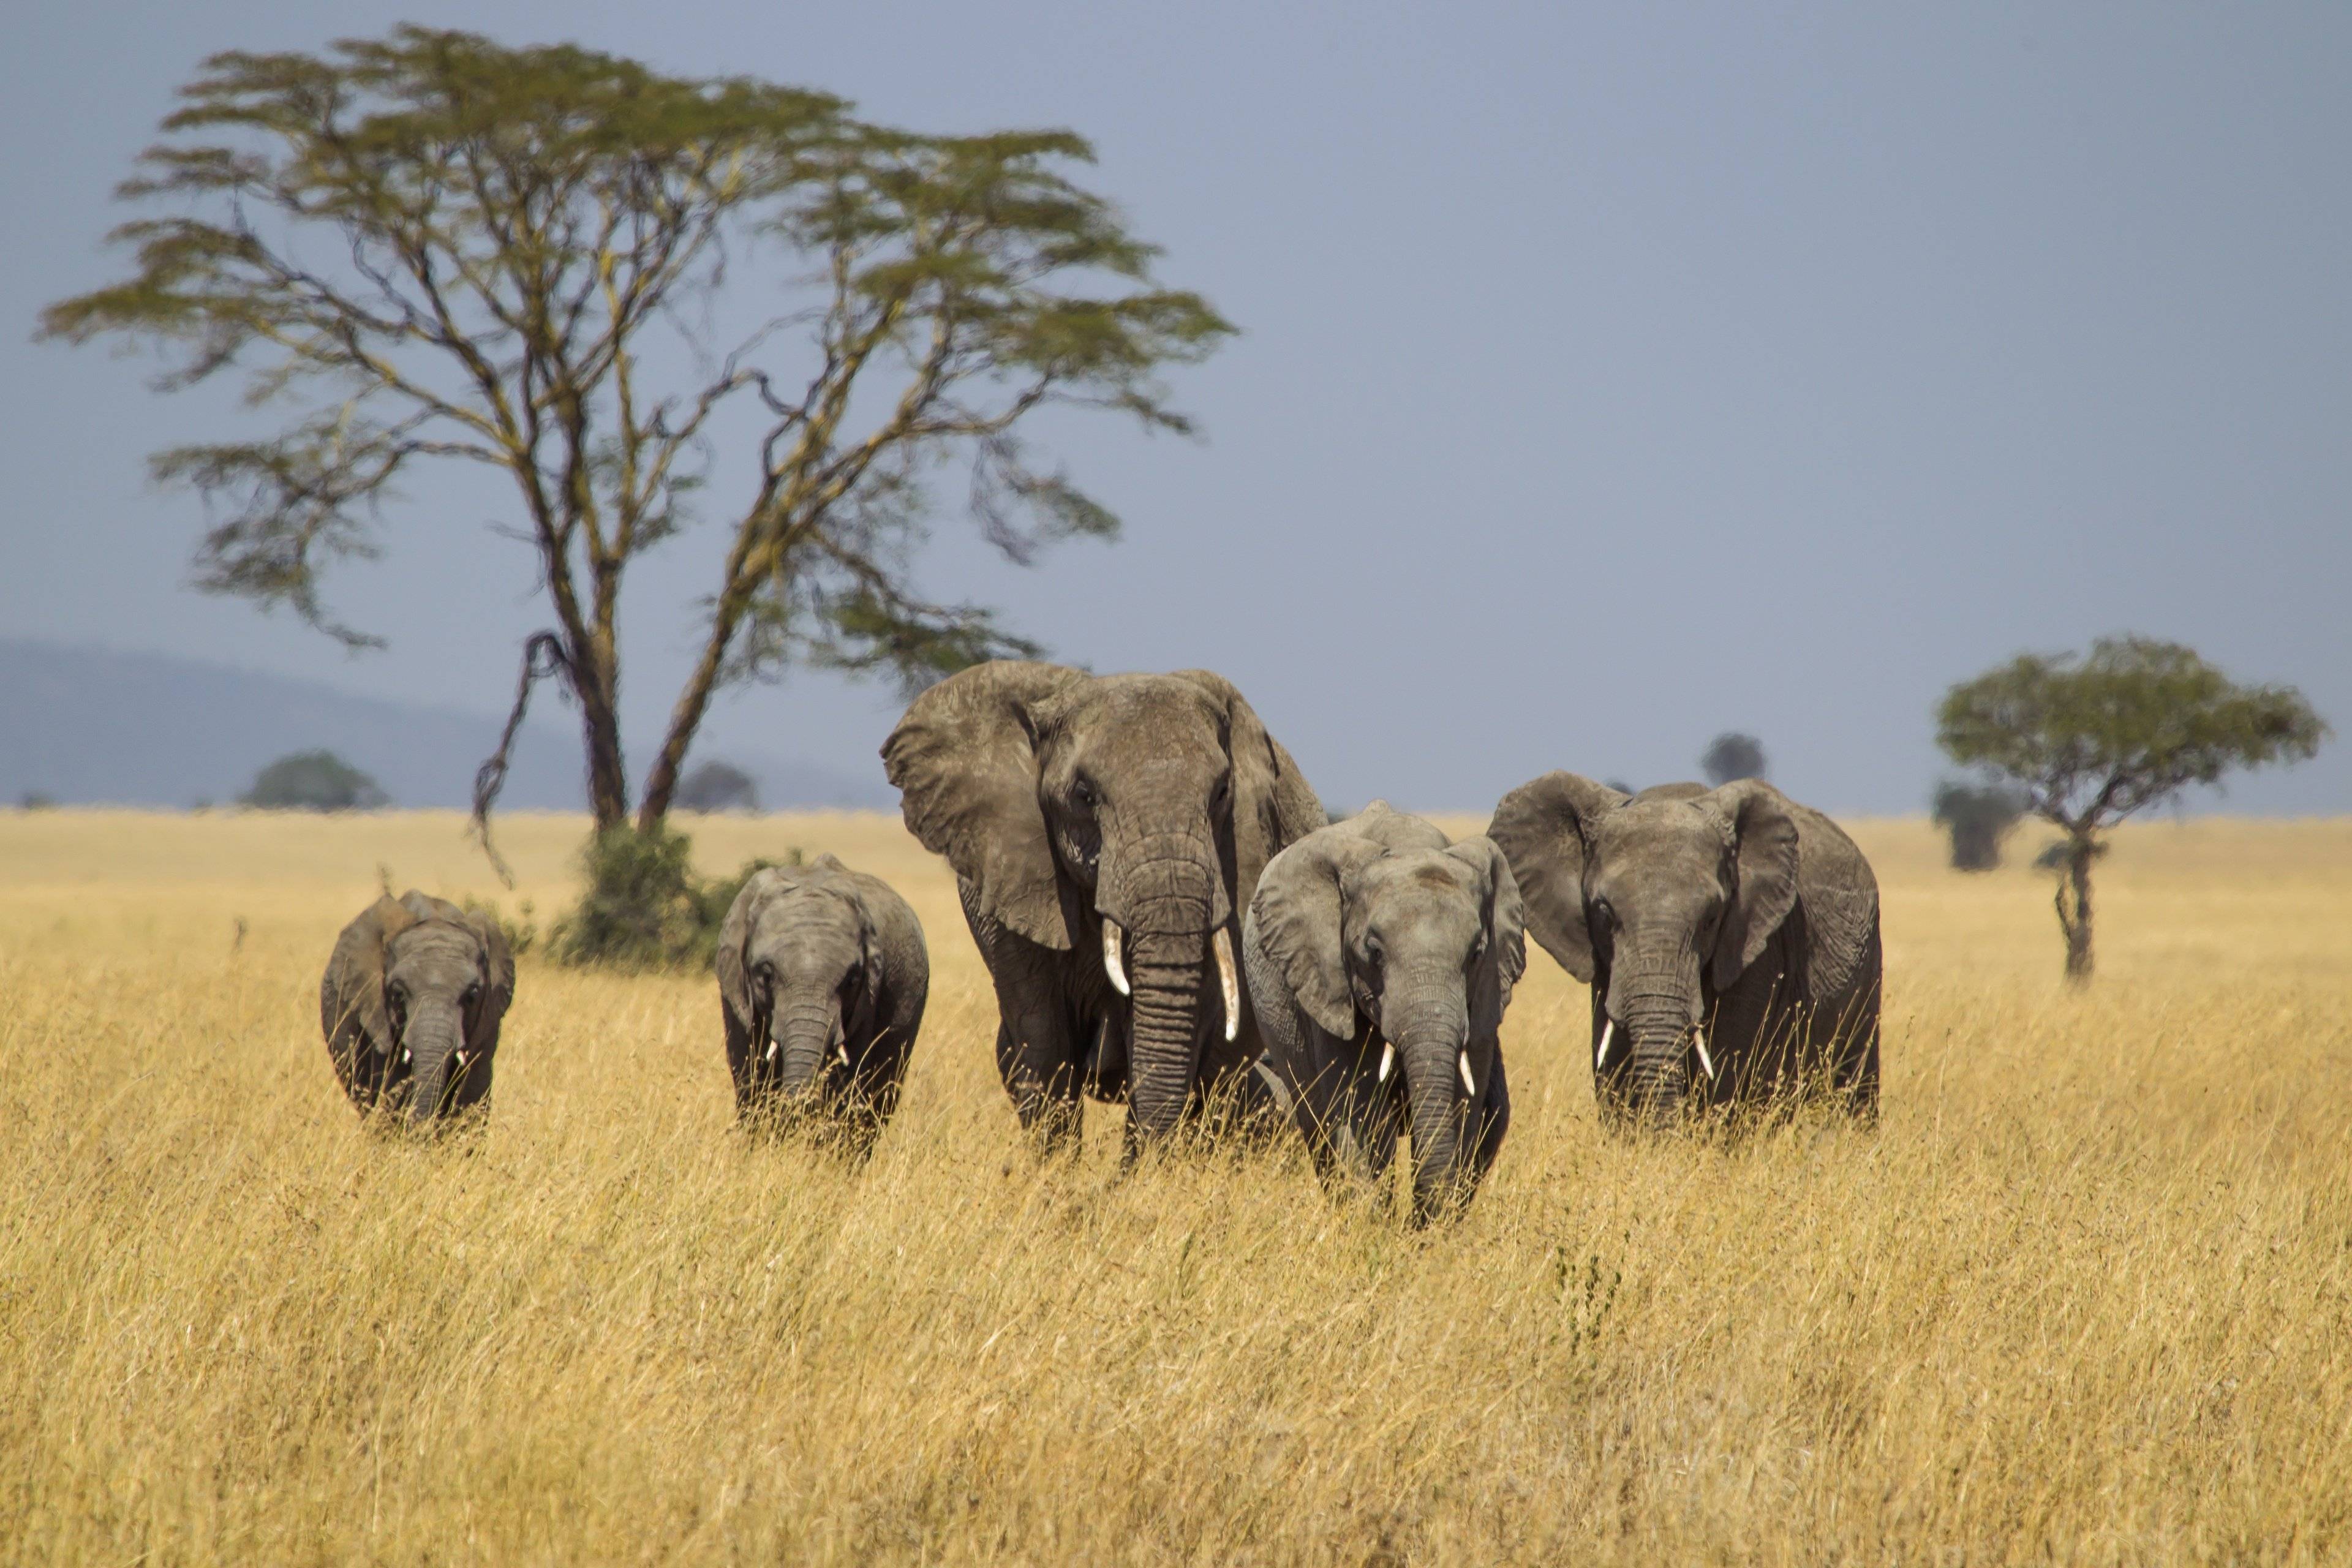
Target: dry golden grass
2085	1296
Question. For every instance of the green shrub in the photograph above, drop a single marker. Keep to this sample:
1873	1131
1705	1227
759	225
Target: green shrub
645	907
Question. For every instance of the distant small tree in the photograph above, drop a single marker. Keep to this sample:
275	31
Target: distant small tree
1621	786
1732	755
2089	739
716	785
313	780
36	800
1977	817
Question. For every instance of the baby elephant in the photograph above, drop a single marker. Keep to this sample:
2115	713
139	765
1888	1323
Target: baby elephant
1379	962
411	1005
823	975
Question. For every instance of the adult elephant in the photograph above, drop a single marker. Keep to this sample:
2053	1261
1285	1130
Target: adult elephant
411	1004
1731	937
1106	833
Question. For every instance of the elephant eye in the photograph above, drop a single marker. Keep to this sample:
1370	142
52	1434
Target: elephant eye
1222	796
1372	950
473	994
1603	915
765	970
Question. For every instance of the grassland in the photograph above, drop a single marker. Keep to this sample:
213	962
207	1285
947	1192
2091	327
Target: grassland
2085	1296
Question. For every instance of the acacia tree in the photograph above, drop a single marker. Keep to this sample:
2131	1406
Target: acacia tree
433	247
2088	739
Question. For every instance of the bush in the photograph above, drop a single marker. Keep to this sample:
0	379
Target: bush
1978	817
313	780
645	906
36	800
1732	755
717	786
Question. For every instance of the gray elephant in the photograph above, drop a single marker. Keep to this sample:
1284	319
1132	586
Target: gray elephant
1106	833
411	1004
1381	961
823	975
1731	937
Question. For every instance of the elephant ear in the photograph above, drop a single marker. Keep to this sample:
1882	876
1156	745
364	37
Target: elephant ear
964	761
498	965
1545	830
350	998
734	979
1296	913
1273	805
1504	916
1764	850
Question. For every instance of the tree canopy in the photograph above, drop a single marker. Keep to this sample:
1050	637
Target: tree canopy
717	786
2093	738
1732	755
313	780
433	247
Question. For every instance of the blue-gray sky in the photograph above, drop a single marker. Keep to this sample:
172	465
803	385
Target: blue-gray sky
1608	377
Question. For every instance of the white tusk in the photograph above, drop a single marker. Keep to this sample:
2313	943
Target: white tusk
1112	964
1388	1059
1608	1033
1469	1084
842	1050
774	1045
461	1061
1705	1062
1228	982
406	1055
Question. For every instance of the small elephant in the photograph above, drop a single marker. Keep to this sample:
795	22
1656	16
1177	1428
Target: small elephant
1730	930
411	1005
823	975
1106	833
1381	960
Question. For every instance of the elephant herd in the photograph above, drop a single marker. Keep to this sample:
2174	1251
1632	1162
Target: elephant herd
1168	919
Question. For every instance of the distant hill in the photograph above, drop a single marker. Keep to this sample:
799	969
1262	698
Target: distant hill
88	726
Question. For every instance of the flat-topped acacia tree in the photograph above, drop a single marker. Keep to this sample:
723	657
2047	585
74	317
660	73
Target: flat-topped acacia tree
436	249
2086	741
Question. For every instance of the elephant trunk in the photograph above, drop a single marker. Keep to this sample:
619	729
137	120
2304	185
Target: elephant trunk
806	1029
430	1038
1658	1000
1169	986
1431	1037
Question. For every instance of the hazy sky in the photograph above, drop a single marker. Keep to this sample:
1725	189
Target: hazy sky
1608	377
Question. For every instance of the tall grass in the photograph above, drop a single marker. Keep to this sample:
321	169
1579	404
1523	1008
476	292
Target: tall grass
2085	1296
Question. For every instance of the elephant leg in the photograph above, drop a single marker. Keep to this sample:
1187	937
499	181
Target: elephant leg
1041	1074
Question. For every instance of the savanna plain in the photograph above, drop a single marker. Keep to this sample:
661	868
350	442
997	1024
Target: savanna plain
2085	1296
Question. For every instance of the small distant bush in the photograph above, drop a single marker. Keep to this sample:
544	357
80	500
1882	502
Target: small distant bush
1978	817
313	780
1732	755
36	800
645	906
717	786
1620	785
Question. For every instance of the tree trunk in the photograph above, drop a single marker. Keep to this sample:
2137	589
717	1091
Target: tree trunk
595	683
2075	911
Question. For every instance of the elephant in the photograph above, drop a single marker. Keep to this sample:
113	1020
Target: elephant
1375	942
823	975
411	1005
1106	834
1729	929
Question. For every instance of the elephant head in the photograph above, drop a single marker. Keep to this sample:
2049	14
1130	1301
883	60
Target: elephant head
412	1003
1668	896
799	966
1132	811
1370	920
